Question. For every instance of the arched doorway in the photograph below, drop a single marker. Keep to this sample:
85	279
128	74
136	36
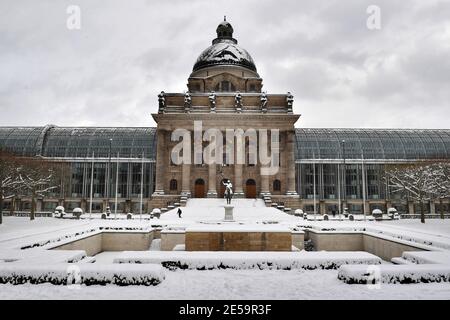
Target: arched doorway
222	188
199	190
250	188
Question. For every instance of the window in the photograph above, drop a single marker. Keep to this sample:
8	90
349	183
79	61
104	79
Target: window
173	185
225	86
277	185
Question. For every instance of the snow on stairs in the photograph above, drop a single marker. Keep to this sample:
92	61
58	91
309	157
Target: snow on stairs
267	200
400	260
87	259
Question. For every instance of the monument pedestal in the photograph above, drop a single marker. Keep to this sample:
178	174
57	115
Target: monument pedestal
228	213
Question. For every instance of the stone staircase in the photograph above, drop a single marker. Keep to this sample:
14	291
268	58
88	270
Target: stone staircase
269	203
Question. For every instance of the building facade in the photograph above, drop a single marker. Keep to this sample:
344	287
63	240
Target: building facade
224	105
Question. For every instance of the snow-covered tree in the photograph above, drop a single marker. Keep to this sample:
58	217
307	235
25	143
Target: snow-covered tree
37	177
420	182
9	180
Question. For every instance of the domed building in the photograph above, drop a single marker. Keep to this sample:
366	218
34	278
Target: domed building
225	127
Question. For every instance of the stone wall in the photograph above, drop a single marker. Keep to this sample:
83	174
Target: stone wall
386	249
111	241
238	241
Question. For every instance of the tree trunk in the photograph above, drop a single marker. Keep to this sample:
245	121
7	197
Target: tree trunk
441	208
422	211
33	205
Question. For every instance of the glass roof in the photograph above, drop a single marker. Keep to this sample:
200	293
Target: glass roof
312	143
82	142
382	144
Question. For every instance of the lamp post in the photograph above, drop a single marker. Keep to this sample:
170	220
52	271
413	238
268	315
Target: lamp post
108	176
92	186
344	187
117	186
142	187
363	170
314	186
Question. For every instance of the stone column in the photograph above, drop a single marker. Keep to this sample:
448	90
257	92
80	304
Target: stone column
290	163
322	207
186	179
39	205
411	207
160	162
388	204
212	192
238	190
432	207
264	182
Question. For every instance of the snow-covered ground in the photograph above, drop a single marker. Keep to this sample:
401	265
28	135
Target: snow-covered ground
236	284
16	232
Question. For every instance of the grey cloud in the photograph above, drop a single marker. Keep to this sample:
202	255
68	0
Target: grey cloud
110	71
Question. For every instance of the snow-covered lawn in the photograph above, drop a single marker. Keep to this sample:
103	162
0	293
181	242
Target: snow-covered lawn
236	284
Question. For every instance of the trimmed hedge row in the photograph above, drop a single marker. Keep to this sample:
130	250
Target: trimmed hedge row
87	274
174	260
425	273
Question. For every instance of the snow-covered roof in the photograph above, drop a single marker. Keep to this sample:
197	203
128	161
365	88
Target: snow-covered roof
224	52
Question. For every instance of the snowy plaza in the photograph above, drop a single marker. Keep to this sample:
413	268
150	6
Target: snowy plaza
30	248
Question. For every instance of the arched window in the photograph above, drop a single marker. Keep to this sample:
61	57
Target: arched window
173	185
276	185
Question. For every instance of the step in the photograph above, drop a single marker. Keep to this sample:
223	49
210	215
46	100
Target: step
400	260
87	260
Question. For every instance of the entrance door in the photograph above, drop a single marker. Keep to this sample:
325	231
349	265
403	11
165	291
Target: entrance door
250	189
199	190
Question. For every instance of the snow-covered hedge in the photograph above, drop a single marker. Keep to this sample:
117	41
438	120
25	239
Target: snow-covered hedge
407	273
427	257
87	274
248	260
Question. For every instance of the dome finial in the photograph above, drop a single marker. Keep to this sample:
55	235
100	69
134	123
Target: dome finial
224	30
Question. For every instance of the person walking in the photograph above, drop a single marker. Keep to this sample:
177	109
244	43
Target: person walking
179	212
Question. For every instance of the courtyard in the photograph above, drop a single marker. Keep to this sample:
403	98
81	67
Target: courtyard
233	282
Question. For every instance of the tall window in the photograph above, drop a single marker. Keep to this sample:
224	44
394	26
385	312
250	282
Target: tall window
276	185
173	185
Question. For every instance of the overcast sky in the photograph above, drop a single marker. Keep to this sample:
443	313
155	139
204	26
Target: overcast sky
342	74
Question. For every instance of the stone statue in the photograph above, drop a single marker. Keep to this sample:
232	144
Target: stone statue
212	101
228	191
290	101
162	102
238	101
187	102
264	102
